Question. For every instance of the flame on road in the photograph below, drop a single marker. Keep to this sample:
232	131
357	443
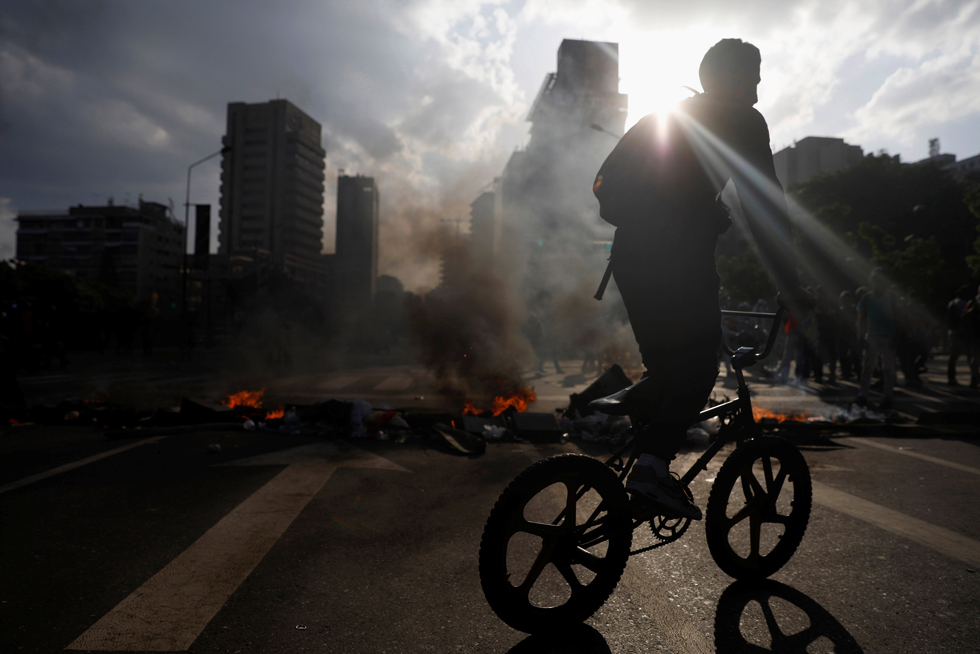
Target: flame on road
519	399
251	399
760	414
276	413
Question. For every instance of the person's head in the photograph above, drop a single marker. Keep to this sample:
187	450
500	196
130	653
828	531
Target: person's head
846	298
730	70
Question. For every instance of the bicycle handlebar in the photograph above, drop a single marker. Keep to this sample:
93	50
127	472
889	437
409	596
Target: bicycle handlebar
776	318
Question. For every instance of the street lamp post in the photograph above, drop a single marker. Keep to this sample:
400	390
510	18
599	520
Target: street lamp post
600	128
187	208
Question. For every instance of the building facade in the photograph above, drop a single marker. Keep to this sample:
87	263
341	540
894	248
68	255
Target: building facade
356	259
814	155
546	189
271	182
136	249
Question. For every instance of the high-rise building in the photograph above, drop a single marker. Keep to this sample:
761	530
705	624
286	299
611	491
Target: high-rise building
484	221
271	182
546	189
813	156
356	260
136	249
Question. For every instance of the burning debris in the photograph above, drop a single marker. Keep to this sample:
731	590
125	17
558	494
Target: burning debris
469	334
518	399
826	415
252	399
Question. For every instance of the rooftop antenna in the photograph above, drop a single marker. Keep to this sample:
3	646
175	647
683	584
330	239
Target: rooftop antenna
933	148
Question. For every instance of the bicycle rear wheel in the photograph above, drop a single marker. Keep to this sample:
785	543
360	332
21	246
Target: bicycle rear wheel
556	543
758	508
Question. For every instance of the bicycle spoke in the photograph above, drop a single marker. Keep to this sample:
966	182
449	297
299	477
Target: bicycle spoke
758	490
755	536
767	471
596	536
565	569
776	486
774	631
543	558
539	529
797	642
746	511
588	559
571	499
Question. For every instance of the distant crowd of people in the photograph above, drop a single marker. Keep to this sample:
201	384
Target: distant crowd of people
867	335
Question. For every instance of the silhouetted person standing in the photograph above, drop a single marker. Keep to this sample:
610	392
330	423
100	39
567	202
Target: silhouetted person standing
660	187
960	342
878	326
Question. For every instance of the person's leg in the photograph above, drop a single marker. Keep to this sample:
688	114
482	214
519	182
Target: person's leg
870	360
888	356
955	350
974	364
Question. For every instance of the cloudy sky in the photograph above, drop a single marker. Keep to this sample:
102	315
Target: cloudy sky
114	98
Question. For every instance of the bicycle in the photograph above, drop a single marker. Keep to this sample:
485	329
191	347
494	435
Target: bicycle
567	566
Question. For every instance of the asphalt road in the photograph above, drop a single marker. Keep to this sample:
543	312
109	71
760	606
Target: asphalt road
286	544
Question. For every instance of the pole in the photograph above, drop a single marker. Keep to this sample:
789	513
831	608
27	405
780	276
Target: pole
600	128
187	209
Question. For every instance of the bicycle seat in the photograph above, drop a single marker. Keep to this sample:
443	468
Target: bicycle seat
626	401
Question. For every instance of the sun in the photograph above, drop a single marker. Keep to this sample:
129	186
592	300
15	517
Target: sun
654	68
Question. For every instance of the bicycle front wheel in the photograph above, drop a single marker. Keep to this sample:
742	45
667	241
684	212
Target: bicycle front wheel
556	543
758	508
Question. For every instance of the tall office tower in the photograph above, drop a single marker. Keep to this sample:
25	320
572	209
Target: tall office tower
271	182
484	221
546	189
357	239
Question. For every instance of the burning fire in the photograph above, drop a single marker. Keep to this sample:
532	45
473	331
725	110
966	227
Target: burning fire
251	399
519	399
276	413
760	414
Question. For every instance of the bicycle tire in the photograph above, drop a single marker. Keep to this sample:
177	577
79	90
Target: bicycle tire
780	498
561	544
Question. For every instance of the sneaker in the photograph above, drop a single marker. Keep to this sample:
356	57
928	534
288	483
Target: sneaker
665	492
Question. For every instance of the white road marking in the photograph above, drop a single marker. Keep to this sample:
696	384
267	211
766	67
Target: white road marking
170	610
923	457
932	536
397	383
71	466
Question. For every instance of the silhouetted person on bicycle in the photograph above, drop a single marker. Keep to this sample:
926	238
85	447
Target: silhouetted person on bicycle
661	187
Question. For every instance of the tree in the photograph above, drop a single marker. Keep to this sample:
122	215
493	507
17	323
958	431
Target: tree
909	218
744	278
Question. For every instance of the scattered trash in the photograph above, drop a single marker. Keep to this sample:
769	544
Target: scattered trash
72	415
494	433
611	381
249	425
460	440
541	427
214	448
301	626
596	427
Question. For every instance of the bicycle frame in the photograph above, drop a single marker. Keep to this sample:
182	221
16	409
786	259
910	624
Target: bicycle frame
741	407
